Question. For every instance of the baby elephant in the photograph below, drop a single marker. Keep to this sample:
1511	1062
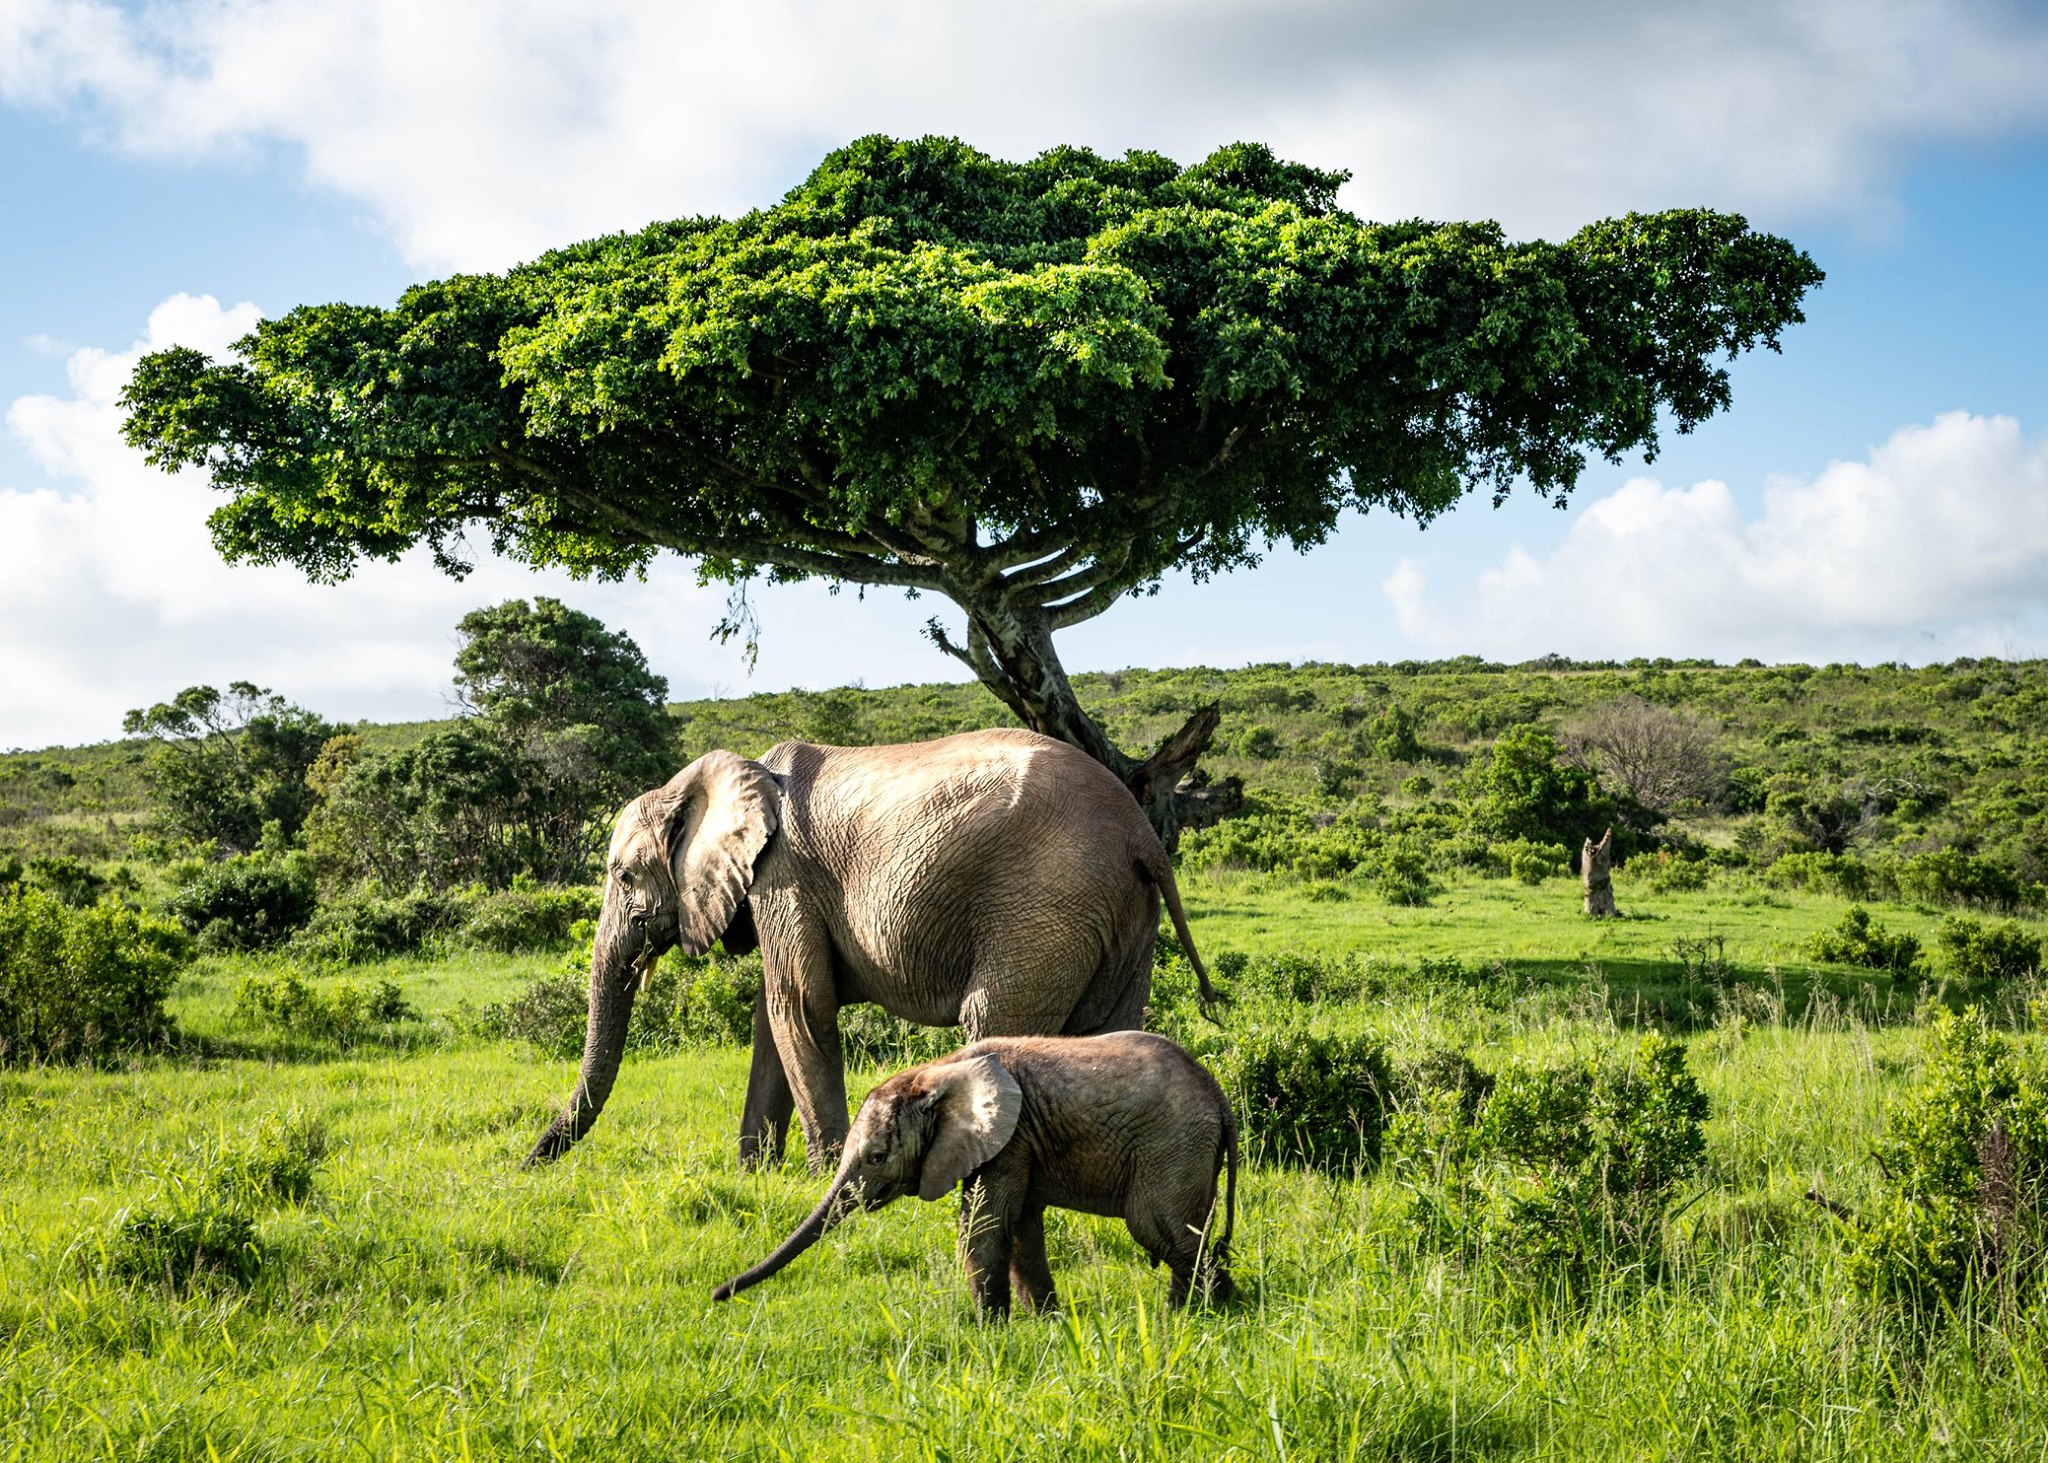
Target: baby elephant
1127	1125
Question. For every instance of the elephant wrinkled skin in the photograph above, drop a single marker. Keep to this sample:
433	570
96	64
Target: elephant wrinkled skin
999	881
1126	1125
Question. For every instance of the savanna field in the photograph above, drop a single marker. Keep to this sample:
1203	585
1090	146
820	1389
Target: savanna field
1756	1170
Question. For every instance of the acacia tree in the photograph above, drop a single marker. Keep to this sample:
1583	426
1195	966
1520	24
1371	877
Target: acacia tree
1030	388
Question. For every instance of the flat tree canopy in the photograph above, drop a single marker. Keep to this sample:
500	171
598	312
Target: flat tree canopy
1031	388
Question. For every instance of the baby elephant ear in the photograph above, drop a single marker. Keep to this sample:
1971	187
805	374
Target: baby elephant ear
978	1102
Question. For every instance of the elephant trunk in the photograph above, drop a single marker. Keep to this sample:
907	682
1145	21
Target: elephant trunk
616	961
828	1213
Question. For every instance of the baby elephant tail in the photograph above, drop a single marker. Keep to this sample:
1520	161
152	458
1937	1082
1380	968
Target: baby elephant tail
1222	1246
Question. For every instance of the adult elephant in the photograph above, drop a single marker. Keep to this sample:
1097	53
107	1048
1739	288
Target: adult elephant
999	881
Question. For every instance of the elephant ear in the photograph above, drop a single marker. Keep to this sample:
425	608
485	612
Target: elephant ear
718	814
978	1102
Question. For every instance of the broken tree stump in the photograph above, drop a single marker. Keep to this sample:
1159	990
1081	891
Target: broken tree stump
1596	870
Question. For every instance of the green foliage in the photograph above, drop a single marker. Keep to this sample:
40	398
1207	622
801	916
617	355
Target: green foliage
359	927
344	1011
529	918
1668	873
1559	1168
1860	940
1306	1098
68	879
83	984
1950	876
224	767
1529	861
246	903
929	368
1524	790
1995	953
199	1226
568	724
1400	872
1965	1158
581	714
690	1001
1832	873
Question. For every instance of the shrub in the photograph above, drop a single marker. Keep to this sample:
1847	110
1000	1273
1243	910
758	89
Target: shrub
1400	873
528	919
1307	1099
1527	860
1668	875
1860	940
183	1238
244	903
1824	873
1948	876
1979	952
365	927
345	1011
69	879
198	1226
1558	1168
1965	1158
690	1001
79	984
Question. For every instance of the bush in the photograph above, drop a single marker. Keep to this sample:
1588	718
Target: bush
1977	952
1966	1161
1400	873
80	984
1558	1168
528	919
1948	876
1527	860
198	1225
244	903
345	1011
365	927
1824	873
1860	940
690	1001
1668	875
1307	1099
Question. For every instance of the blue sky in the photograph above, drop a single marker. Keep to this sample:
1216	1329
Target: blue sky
1879	491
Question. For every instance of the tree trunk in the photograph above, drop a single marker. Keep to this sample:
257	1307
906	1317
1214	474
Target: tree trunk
1012	653
1596	870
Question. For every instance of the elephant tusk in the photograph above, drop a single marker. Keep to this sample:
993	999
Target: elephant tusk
645	968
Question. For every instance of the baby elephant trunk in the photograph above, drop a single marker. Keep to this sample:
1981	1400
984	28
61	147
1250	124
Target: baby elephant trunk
830	1208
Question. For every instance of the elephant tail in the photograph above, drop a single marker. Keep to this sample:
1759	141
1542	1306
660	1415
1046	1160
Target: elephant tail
1155	865
1222	1247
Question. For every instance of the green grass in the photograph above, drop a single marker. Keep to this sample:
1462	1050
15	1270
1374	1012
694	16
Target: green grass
433	1300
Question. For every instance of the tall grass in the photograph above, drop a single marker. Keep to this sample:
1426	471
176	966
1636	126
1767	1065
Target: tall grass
428	1298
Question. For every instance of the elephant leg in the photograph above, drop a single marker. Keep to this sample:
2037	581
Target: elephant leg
986	1230
764	1122
803	1013
1173	1235
1030	1271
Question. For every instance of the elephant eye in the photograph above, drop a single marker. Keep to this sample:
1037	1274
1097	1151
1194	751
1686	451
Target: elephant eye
873	1156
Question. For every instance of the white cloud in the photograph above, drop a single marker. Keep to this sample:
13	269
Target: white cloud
112	597
1934	546
482	131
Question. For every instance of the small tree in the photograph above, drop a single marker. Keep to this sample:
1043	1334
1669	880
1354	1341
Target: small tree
577	709
1660	756
1526	789
224	766
566	722
1029	388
